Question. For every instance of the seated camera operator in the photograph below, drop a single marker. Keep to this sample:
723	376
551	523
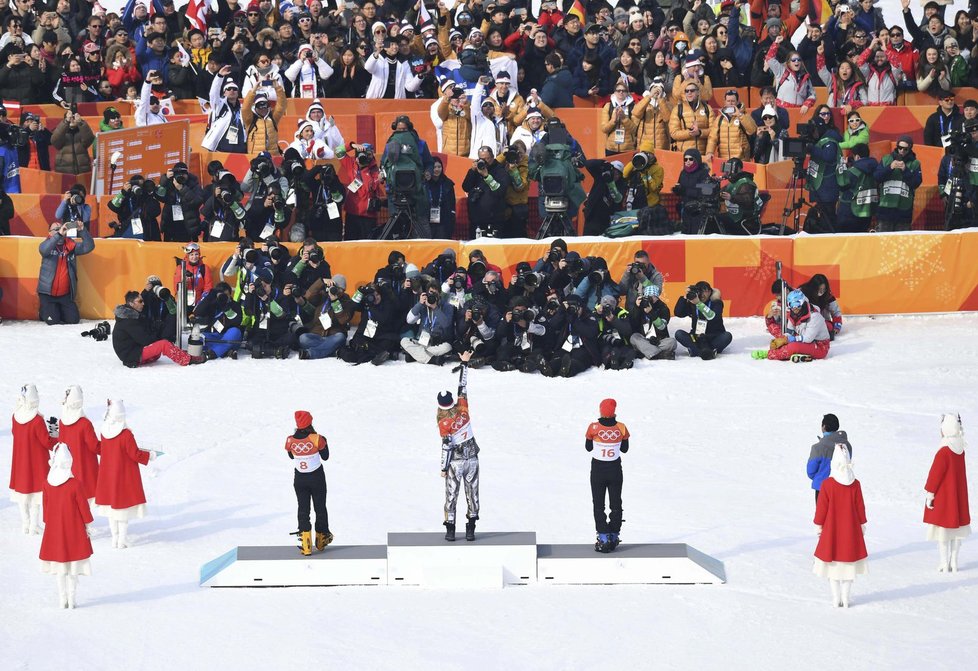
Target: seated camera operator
576	346
220	318
434	322
694	173
741	200
596	284
898	175
34	152
222	213
519	339
181	197
527	284
649	319
821	182
486	183
518	192
378	332
637	275
329	326
266	217
644	177
614	334
707	337
475	330
135	345
137	210
57	280
308	265
364	191
607	194
73	208
858	192
324	221
273	314
159	310
198	279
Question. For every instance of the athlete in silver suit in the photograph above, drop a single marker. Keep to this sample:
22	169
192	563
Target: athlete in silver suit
460	454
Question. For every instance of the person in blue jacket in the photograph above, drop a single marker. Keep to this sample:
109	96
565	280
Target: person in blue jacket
558	87
820	457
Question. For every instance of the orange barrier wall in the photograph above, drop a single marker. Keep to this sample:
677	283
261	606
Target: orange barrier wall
871	274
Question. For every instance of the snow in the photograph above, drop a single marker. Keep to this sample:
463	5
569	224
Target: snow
717	461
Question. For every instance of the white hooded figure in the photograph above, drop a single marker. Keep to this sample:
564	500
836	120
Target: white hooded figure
65	548
489	128
28	461
263	79
307	145
307	73
946	509
325	127
76	431
120	495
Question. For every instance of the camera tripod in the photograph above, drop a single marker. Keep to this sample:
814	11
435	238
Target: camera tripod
397	214
555	223
793	203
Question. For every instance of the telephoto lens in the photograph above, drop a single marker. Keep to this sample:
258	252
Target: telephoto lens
432	297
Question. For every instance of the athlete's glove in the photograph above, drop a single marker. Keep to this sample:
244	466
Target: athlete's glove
779	342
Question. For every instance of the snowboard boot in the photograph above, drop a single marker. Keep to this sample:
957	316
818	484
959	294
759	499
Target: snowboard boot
281	352
210	354
470	530
449	531
603	544
306	539
323	539
800	358
613	541
194	360
759	354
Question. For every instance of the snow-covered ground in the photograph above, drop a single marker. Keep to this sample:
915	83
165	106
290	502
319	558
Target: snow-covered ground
717	461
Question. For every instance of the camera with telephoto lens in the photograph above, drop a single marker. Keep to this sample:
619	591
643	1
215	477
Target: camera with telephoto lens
691	293
293	169
635	268
367	291
481	164
573	309
278	202
363	158
476	314
511	156
251	256
261	167
76	198
531	280
136	190
227	197
277	253
15	136
99	333
553	305
316	255
596	277
640	161
431	297
459	281
334	291
162	292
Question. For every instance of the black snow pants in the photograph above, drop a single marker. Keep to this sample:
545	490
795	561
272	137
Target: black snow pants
606	476
312	487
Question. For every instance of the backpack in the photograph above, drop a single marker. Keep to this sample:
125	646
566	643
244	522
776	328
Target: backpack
624	224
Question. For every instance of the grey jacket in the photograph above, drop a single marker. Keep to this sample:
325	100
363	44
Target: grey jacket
440	322
820	458
51	249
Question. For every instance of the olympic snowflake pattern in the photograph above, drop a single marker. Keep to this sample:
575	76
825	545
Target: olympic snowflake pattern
763	271
912	259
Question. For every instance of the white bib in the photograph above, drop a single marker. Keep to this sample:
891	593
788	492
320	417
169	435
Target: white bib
177	211
332	210
267	232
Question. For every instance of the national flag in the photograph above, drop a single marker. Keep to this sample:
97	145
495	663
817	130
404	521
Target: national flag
577	9
424	17
196	13
13	110
449	69
184	55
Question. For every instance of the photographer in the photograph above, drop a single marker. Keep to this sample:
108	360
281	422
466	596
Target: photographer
519	338
308	74
767	139
433	320
135	345
644	177
225	127
222	213
159	310
73	208
650	325
364	191
596	284
441	196
489	287
324	220
607	195
378	332
405	160
898	175
296	194
638	274
553	260
527	284
443	266
707	337
614	333
576	346
823	167
34	152
485	183
328	328
181	198
308	266
71	139
57	280
741	200
455	133
242	265
267	216
261	175
651	115
220	318
858	193
731	130
198	279
137	210
692	205
273	314
6	214
475	330
518	191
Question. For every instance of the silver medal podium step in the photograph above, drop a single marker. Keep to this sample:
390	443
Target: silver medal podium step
629	564
283	566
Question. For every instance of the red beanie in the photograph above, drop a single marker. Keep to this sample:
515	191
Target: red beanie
608	407
303	420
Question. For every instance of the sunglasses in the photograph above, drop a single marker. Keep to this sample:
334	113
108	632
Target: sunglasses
692	90
253	14
621	90
903	148
860	36
796	60
688	160
825	114
854	120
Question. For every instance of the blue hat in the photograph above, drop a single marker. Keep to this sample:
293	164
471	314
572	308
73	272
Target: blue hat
796	299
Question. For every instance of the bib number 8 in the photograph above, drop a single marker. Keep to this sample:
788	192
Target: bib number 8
303	465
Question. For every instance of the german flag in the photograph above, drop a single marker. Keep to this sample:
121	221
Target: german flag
577	9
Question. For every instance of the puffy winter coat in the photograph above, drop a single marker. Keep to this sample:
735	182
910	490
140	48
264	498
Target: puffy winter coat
456	130
681	121
558	89
730	138
51	250
653	124
820	458
263	131
807	327
712	311
624	130
72	145
129	336
794	89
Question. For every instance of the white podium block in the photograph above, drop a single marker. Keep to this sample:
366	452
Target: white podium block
283	566
632	564
493	559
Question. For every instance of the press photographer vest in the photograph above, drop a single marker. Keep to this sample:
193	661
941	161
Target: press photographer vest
894	192
817	170
860	192
736	212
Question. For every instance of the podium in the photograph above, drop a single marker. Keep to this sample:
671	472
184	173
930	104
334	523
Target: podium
283	566
631	564
493	559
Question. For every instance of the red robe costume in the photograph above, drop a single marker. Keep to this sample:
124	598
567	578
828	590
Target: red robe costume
84	444
29	461
66	512
841	513
120	485
949	483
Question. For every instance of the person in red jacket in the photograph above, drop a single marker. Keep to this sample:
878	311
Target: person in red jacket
360	174
606	440
76	431
29	461
119	494
840	516
199	279
308	450
946	512
65	546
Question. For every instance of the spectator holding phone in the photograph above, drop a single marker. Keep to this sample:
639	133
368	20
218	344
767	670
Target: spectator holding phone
148	109
58	280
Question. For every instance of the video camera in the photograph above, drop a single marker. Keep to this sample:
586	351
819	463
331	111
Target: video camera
15	136
798	147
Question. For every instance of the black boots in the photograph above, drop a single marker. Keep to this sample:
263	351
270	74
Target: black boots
449	531
470	530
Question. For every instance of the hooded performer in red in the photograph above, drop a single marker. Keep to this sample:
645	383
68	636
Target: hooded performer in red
29	461
76	431
119	494
840	515
65	546
946	513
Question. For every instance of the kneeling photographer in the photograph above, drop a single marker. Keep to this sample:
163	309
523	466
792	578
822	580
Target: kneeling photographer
222	212
485	185
637	275
597	283
520	337
644	177
707	337
614	334
73	208
741	200
137	209
606	197
181	197
274	314
328	329
649	318
475	330
576	344
698	194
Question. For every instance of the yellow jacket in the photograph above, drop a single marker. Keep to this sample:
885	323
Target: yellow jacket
263	133
653	124
681	123
626	129
456	131
730	138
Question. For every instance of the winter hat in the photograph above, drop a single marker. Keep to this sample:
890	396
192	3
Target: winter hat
449	252
315	104
830	422
769	111
71	409
304	47
842	465
378	25
429	41
503	76
694	154
447	84
27	402
534	112
651	290
620	14
607	407
60	463
907	139
229	84
618	165
574	299
110	113
952	433
455	34
304	124
340	281
92	47
411	271
796	299
303	419
446	400
115	419
772	23
609	302
154	280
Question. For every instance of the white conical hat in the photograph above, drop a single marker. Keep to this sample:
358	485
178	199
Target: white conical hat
60	463
27	403
952	433
72	407
115	418
842	465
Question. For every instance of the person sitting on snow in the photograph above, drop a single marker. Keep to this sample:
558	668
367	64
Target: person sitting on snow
819	294
772	320
806	336
135	345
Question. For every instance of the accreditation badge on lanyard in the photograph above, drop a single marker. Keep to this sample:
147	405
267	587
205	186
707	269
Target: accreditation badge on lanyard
700	325
137	225
217	228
